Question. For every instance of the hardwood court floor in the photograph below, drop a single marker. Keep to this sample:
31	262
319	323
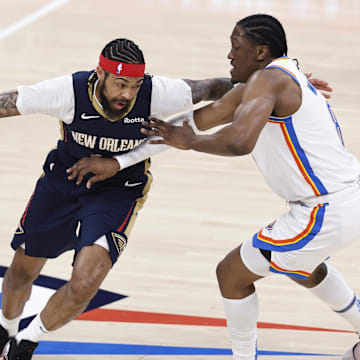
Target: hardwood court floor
200	206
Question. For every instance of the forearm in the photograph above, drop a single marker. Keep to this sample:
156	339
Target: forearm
211	116
209	89
224	142
8	103
141	153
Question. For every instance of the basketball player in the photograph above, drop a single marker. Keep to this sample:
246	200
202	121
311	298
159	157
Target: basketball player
100	114
293	135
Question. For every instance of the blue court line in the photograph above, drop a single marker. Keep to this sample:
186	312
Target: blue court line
81	348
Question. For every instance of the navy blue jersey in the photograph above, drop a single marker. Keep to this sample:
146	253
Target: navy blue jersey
49	224
90	134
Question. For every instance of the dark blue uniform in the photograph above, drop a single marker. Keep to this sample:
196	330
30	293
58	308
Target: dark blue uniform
50	223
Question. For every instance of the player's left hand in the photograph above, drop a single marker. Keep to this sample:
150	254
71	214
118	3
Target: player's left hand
321	85
177	136
102	168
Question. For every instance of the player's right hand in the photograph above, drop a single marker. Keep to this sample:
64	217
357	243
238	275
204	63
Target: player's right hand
102	168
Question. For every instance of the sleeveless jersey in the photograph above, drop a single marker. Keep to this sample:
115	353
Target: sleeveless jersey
90	134
302	155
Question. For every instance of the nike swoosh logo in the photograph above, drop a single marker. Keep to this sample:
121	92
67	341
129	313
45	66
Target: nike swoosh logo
87	117
129	184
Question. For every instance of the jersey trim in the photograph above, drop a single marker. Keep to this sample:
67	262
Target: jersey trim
297	242
299	155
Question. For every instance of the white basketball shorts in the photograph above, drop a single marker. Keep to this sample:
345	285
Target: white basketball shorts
306	236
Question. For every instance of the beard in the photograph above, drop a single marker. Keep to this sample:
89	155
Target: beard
112	114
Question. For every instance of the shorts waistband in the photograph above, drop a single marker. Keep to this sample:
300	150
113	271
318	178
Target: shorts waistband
329	198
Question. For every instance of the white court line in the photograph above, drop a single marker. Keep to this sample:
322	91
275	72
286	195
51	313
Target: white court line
31	18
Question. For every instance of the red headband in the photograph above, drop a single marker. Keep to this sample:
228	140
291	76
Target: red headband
121	68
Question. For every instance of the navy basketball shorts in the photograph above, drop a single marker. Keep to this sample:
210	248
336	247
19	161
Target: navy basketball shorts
62	216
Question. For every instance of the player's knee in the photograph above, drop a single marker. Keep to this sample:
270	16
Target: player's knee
227	274
18	276
82	290
318	275
222	278
221	270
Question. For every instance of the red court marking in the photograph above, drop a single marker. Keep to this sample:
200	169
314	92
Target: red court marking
158	318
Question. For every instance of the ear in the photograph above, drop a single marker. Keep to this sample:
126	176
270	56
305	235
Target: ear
262	52
100	72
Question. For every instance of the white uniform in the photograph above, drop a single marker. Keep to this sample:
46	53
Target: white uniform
303	159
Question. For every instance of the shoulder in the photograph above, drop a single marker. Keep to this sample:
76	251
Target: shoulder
168	88
269	79
169	96
61	83
161	82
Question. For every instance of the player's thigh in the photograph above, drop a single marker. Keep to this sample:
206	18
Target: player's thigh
48	225
108	218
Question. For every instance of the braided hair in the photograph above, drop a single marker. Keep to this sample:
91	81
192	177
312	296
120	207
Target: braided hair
265	30
123	50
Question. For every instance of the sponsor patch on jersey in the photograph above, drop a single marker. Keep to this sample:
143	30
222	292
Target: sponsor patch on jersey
135	120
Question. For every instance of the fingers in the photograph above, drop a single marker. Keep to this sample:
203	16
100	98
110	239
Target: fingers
79	170
154	127
321	84
93	180
149	132
156	124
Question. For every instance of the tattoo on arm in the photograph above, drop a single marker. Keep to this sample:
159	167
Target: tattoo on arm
209	89
8	103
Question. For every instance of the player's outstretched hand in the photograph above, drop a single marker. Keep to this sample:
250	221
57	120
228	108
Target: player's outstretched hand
177	136
321	85
102	168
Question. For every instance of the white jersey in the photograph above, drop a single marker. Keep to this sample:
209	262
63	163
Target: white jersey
302	155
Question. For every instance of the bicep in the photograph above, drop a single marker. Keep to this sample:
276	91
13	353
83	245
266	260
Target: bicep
253	113
169	96
221	111
54	97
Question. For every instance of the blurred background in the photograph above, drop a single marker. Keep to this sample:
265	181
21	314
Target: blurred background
200	206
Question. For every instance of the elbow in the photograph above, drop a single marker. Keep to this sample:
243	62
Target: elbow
240	148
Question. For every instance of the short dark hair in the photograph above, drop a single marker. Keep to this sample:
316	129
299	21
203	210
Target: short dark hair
264	29
123	50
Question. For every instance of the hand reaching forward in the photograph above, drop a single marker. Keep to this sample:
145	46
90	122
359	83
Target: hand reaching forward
102	168
321	85
177	136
